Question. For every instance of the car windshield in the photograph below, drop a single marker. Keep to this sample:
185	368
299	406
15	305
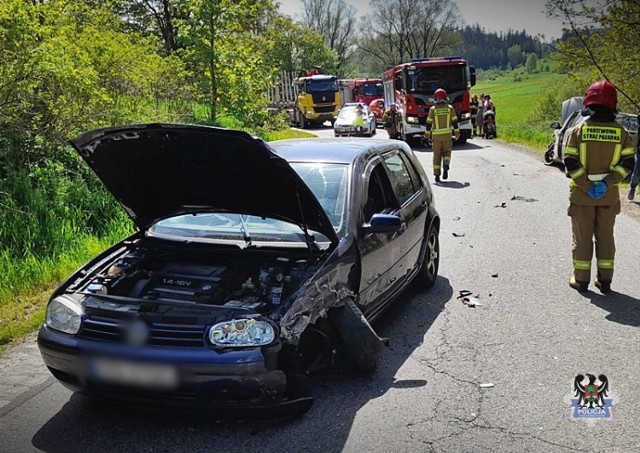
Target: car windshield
329	184
371	89
317	86
348	113
426	80
215	226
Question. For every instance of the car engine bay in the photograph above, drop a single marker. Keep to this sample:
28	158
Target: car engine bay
258	280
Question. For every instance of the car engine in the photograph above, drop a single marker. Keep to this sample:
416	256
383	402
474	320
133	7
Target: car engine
254	280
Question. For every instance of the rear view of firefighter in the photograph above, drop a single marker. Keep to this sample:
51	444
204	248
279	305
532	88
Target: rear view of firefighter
598	155
440	120
391	121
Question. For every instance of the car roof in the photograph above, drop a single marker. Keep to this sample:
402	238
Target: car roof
331	150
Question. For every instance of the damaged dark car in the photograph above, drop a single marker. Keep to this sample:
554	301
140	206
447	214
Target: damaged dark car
253	266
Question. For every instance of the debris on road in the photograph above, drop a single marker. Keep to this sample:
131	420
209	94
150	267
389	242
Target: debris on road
488	385
519	198
458	235
494	275
501	205
469	299
456	218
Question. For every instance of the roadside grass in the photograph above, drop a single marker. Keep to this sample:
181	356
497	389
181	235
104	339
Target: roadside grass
516	96
49	227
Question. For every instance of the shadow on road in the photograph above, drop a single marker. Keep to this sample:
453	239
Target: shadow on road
88	425
622	309
452	184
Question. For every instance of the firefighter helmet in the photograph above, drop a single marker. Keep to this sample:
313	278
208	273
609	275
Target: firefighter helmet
603	93
440	95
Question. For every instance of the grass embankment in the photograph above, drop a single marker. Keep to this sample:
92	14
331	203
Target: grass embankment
52	220
517	96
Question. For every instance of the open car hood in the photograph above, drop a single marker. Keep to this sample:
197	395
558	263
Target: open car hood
159	170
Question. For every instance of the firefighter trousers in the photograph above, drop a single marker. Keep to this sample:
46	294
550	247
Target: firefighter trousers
441	155
589	222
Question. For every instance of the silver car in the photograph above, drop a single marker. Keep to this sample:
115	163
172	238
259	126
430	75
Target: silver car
350	124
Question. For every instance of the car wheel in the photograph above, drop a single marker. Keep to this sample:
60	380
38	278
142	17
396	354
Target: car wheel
430	262
360	344
549	155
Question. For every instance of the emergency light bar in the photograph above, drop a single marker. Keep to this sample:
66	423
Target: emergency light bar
452	57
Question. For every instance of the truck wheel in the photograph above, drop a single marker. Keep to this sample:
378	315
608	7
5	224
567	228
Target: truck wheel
430	262
360	344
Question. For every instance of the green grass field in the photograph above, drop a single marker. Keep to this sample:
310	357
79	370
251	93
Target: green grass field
516	96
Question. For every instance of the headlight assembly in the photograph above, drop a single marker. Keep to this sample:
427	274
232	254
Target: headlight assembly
64	315
412	119
241	332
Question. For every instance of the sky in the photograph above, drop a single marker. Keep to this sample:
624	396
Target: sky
492	15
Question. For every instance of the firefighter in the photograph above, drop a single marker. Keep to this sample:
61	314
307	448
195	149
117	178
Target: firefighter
391	121
598	155
440	120
473	110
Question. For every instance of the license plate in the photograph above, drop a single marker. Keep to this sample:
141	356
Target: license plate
148	375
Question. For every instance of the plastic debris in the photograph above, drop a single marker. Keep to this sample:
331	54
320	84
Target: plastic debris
494	275
469	299
488	385
458	235
456	218
501	205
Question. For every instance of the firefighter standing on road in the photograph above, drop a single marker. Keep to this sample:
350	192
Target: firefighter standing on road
440	120
598	155
391	119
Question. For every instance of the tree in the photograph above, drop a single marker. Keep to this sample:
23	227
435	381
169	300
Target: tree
335	20
515	55
604	40
532	63
398	30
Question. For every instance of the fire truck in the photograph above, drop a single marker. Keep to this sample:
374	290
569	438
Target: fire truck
411	86
361	90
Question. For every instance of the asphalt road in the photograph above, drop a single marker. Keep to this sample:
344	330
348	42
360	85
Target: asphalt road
453	379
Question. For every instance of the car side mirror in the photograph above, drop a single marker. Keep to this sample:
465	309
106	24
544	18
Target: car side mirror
555	125
384	223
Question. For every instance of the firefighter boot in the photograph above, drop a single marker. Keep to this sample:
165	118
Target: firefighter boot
632	193
603	286
437	178
578	285
445	171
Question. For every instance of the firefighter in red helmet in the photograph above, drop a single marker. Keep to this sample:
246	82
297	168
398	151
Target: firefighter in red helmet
598	155
440	120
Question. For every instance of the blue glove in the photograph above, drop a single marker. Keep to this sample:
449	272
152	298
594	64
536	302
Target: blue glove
597	190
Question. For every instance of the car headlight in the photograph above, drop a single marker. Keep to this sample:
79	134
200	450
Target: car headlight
412	119
241	332
64	315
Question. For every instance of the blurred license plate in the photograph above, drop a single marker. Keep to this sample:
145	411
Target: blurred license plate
150	375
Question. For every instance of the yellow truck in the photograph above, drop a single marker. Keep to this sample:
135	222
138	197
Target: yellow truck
311	98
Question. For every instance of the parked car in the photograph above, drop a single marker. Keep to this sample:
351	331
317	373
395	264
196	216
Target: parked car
252	266
346	124
571	117
377	107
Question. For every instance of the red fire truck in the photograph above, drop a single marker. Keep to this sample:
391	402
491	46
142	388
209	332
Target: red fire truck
411	86
361	90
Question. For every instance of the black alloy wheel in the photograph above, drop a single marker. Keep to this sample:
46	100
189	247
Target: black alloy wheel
430	262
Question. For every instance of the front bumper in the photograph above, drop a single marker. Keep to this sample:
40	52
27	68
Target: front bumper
350	130
177	377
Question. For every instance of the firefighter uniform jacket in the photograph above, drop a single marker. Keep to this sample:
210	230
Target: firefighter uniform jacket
441	118
597	150
391	119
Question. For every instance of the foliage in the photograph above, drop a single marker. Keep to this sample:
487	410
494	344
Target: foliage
335	21
396	31
532	63
605	41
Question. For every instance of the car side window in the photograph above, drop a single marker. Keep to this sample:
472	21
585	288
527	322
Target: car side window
413	174
400	178
380	197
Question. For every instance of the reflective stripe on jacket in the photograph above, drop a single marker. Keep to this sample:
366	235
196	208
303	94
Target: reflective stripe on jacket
594	152
442	117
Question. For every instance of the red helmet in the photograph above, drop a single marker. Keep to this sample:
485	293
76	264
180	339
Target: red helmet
440	95
602	92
